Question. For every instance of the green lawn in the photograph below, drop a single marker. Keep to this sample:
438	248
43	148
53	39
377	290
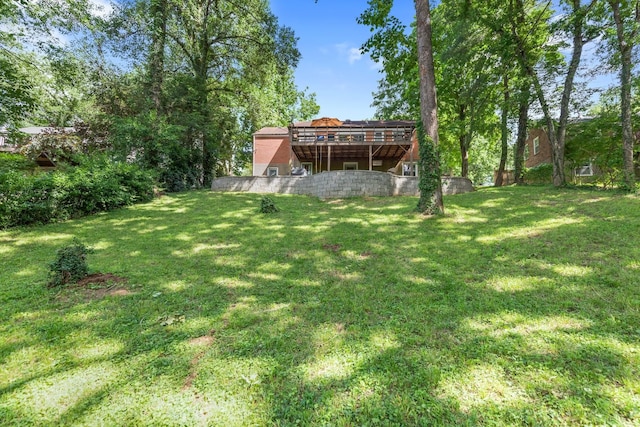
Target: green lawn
520	307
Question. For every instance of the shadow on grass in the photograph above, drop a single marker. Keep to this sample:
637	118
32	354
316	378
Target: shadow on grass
512	309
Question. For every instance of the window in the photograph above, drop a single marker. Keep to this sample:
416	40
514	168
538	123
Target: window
584	170
308	166
320	138
400	135
272	171
358	137
536	145
378	136
332	137
408	169
350	166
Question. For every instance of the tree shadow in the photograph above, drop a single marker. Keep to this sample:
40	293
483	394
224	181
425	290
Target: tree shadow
360	311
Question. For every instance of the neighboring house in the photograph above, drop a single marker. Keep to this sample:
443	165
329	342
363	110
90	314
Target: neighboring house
538	151
5	144
329	144
44	159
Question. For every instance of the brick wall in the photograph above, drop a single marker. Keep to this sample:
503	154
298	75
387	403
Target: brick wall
273	150
544	154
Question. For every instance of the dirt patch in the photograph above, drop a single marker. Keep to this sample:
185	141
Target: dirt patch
99	279
203	341
333	248
95	286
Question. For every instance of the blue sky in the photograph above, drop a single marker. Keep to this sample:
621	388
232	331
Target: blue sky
332	65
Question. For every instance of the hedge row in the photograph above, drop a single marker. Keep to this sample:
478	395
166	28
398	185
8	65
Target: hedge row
541	174
97	185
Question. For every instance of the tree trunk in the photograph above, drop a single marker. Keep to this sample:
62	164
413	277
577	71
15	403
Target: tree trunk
504	133
579	15
430	182
625	46
156	57
523	117
523	57
464	155
464	140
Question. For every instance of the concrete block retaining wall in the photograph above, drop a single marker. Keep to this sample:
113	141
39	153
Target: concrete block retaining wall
337	184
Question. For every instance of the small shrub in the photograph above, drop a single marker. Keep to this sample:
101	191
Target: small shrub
267	205
15	162
541	174
70	264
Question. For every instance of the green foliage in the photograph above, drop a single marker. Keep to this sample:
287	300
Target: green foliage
267	205
597	141
59	144
15	89
428	175
15	162
97	184
208	78
541	174
70	264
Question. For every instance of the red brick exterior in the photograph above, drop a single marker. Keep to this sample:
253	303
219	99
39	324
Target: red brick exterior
544	150
271	151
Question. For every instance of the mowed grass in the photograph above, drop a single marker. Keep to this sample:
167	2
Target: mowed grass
521	306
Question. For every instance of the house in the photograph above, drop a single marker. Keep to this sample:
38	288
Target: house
43	157
537	149
588	151
329	144
5	144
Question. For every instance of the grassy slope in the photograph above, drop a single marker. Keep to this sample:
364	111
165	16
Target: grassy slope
521	306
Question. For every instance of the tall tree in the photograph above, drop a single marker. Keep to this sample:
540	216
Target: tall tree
205	62
467	77
625	15
529	31
27	31
521	138
159	12
430	182
389	41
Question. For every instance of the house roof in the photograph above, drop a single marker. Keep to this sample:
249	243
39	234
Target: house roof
326	121
335	123
37	130
272	131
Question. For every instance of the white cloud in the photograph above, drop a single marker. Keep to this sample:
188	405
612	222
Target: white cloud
355	54
351	54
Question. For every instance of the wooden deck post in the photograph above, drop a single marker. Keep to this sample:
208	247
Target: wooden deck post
328	158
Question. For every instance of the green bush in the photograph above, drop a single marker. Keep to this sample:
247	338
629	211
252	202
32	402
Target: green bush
97	184
70	264
15	162
267	205
541	174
